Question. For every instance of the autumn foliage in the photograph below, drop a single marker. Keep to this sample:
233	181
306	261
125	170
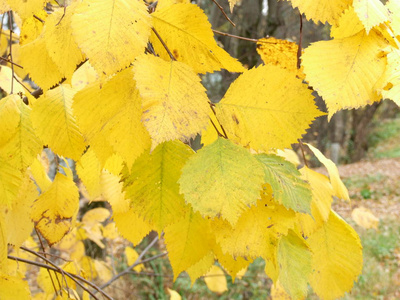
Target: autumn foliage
116	88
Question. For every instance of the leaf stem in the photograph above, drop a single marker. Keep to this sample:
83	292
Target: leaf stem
223	12
165	46
235	36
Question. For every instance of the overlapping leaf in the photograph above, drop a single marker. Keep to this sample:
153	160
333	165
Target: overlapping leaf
37	62
26	9
111	32
371	13
349	24
60	43
154	189
337	258
267	107
222	179
289	189
112	112
177	106
186	24
393	77
394	8
9	117
55	123
55	210
24	145
294	259
323	10
346	72
188	240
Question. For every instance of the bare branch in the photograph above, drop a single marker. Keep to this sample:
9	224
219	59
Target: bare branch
223	12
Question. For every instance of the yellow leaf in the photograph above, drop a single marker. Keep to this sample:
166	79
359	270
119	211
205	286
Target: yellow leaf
83	76
26	9
278	292
3	245
371	13
267	107
7	81
188	240
393	76
18	217
92	224
394	7
280	53
201	267
322	192
14	287
56	208
89	171
152	185
323	10
88	268
5	34
32	28
177	106
54	122
365	218
110	231
337	258
59	40
336	70
11	179
115	112
111	32
173	294
226	173
4	7
103	270
294	260
289	155
232	265
131	257
216	281
37	62
39	174
349	24
165	3
254	230
187	24
339	188
9	117
24	146
18	72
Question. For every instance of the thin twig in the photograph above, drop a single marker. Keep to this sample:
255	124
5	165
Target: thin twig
302	151
235	36
51	277
127	270
165	46
39	19
23	85
74	277
300	41
223	12
216	129
11	62
220	125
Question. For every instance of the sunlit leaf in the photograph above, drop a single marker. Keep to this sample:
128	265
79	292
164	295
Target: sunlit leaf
267	107
226	173
216	281
186	24
371	12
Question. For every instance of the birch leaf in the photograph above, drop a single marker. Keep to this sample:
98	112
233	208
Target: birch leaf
323	10
55	210
187	24
226	173
265	108
289	189
26	9
188	240
337	258
371	13
216	281
174	108
60	43
294	259
152	184
337	70
111	32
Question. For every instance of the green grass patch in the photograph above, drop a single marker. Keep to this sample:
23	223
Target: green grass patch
384	140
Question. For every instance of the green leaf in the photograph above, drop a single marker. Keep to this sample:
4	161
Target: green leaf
222	179
289	189
154	189
294	260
